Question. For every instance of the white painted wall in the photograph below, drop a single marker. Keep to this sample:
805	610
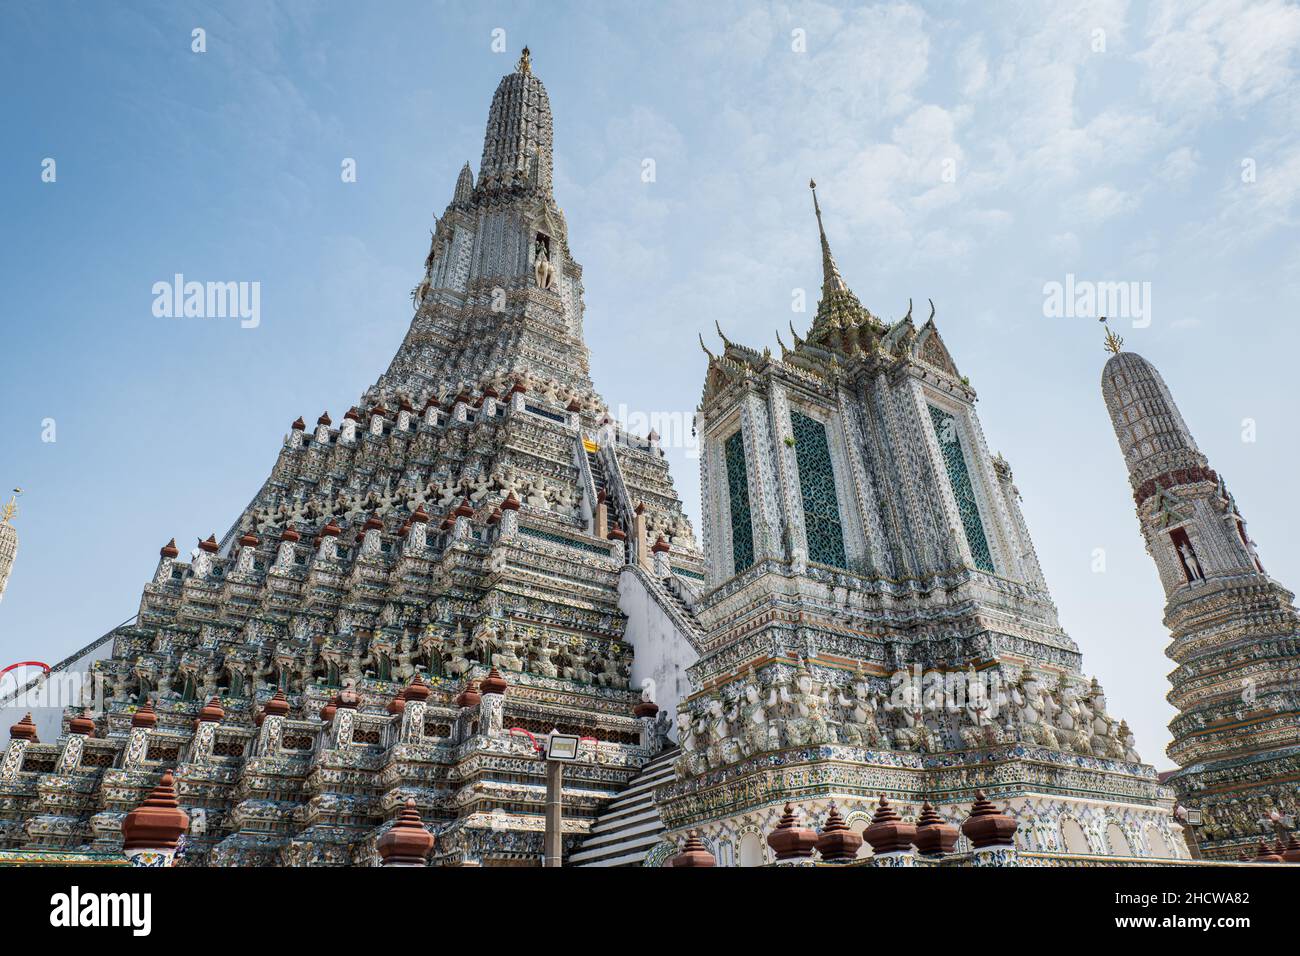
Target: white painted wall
45	704
662	653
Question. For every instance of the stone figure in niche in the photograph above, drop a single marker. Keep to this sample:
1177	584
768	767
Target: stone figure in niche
543	271
1189	559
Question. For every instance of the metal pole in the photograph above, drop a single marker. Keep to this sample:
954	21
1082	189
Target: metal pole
554	813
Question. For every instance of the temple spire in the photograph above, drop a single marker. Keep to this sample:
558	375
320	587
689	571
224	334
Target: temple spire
839	308
517	147
831	278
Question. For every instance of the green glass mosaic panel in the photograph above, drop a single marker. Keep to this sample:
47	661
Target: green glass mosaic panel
821	509
945	429
742	528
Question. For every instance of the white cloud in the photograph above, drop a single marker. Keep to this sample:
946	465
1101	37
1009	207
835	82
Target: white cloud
1180	166
1099	204
1221	51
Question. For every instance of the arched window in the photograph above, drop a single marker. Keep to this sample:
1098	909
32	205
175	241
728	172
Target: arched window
821	509
726	852
1160	848
742	528
751	850
1073	837
1119	845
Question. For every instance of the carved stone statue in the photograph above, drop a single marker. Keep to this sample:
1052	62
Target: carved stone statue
543	271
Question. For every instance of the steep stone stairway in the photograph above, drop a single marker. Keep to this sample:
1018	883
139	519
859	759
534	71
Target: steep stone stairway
676	600
597	469
628	828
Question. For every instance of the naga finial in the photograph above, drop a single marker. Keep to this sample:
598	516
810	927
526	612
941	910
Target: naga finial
712	357
1114	343
909	310
931	318
725	341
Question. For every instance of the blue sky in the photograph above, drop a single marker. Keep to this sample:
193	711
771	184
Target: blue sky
965	153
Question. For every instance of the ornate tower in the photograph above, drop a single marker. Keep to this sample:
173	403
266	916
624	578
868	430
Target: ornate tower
1235	633
8	541
876	618
473	556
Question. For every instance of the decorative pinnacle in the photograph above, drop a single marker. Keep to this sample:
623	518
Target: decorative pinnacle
11	509
1113	342
831	278
525	64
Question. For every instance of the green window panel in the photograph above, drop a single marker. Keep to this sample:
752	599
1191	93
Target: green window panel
945	429
742	527
821	509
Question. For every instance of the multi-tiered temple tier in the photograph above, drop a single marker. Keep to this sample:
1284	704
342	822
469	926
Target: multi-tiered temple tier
858	531
416	593
1236	636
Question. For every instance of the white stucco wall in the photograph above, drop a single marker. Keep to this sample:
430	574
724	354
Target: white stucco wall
662	653
46	703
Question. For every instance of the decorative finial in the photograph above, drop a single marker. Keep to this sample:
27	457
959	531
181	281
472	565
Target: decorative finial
831	279
1113	342
525	64
712	357
11	509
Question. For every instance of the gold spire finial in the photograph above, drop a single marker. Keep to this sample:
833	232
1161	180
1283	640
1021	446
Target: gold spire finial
11	509
1114	343
525	64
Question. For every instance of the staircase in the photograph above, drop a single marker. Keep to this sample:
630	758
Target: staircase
629	826
597	470
676	601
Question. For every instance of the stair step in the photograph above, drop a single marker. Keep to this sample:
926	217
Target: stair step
629	825
639	815
621	837
635	858
643	785
635	847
